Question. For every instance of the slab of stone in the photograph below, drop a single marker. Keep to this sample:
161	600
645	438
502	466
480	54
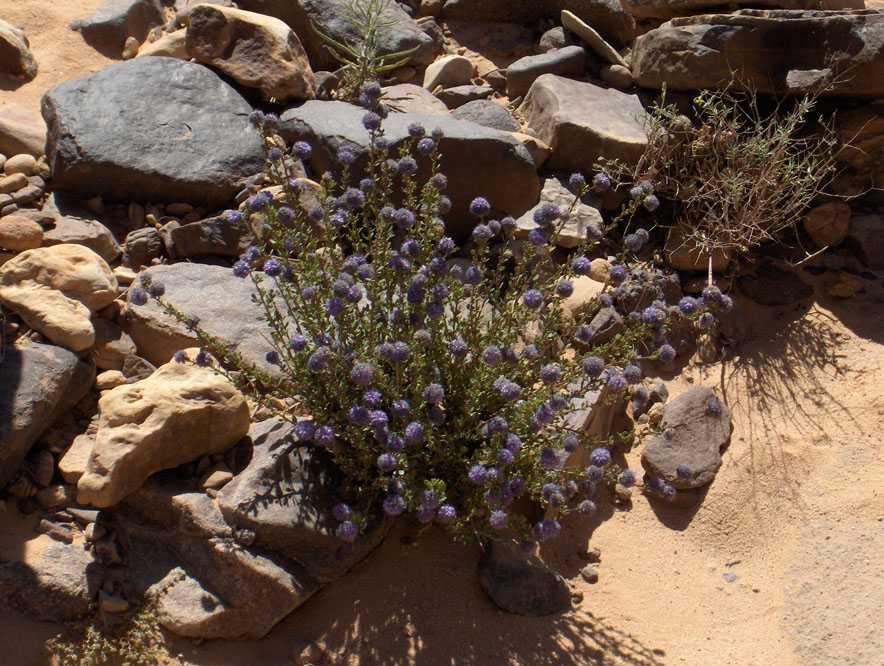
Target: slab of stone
569	61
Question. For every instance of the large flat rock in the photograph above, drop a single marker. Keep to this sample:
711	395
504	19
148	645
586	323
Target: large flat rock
191	143
671	8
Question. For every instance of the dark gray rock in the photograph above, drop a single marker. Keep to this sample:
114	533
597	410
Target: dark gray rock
460	95
38	383
509	178
142	246
212	236
488	114
770	285
605	325
411	98
220	301
193	143
695	427
553	39
330	17
569	61
520	583
116	20
54	582
527	11
607	17
285	497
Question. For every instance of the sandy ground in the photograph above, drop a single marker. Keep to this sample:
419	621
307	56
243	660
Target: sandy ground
795	517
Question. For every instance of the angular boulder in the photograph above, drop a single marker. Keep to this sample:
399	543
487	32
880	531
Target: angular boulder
695	427
582	122
15	53
775	52
332	18
569	61
21	131
180	413
37	384
213	236
55	290
254	50
509	178
488	114
107	137
521	583
220	301
411	98
607	17
116	20
19	233
670	8
583	217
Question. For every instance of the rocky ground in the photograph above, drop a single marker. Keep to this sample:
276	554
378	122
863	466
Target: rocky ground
123	134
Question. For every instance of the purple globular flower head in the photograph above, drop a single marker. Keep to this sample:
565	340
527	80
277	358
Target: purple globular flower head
549	489
354	198
394	443
570	442
576	183
600	457
334	307
544	414
274	155
256	118
371	121
346	156
558	403
446	514
342	512
482	233
354	294
371	89
423	337
617	274
426	146
414	433
403	219
347	531
492	355
666	353
232	216
651	203
203	358
495	227
386	462
443	206
399	263
653	316
687	305
394	505
410	247
180	356
532	299
565	288
400	408
653	484
497	424
538	237
285	215
362	374
305	430
668	491
378	419
550	373
366	184
358	415
633	242
318	360
505	457
474	275
316	214
302	149
627	478
416	131
586	507
439	181
593	366
706	321
415	294
498	519
548	459
272	267
684	472
516	486
272	357
400	352
601	182
479	207
632	374
712	294
581	265
256	202
137	296
156	288
271	121
437	134
338	219
508	223
547	529
713	407
531	352
615	380
726	303
434	394
594	473
605	300
406	166
546	213
477	474
509	390
324	435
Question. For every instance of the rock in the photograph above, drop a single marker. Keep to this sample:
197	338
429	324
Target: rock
106	137
607	17
539	151
216	479
285	497
520	583
861	132
683	254
605	326
488	114
56	496
449	71
590	573
457	96
38	383
116	20
702	52
583	217
492	11
83	231
554	39
111	603
598	269
592	39
665	9
828	224
845	285
142	247
136	368
509	179
15	53
618	76
179	413
27	195
110	379
56	289
332	17
867	239
21	131
586	291
569	61
130	48
213	236
221	301
13	183
254	50
695	427
53	582
112	345
20	164
773	286
125	276
411	98
171	45
18	233
73	463
582	122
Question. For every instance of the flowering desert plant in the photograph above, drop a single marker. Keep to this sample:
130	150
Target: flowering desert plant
439	379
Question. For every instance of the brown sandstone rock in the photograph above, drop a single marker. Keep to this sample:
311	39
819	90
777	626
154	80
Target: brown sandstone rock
15	55
19	233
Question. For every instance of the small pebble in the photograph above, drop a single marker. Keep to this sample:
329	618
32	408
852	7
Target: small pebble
590	574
